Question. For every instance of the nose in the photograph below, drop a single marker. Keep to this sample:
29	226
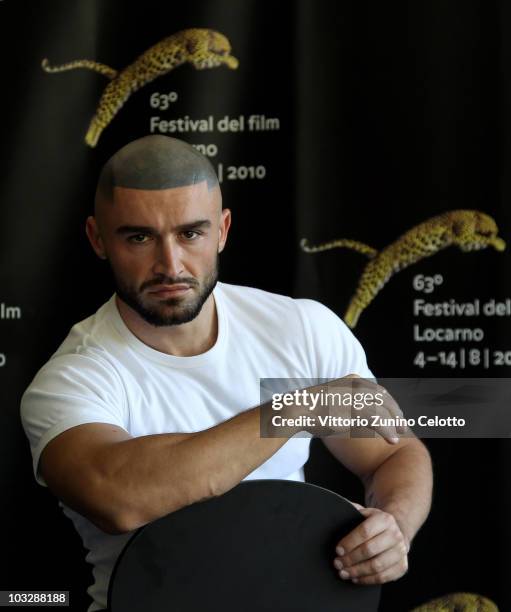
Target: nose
168	259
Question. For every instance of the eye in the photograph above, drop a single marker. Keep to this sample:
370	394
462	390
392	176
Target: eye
139	238
190	235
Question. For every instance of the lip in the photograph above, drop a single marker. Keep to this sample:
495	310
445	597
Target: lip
164	290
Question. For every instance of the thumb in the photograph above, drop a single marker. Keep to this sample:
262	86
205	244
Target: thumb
357	506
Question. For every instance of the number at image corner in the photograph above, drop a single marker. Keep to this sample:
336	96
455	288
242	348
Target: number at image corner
240	173
34	598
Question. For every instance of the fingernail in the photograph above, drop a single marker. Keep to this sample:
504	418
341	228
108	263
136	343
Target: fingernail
344	574
338	564
340	551
355	580
394	440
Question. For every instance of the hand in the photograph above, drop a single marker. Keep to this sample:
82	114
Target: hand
379	409
374	552
347	407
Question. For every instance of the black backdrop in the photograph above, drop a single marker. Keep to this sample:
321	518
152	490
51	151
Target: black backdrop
388	114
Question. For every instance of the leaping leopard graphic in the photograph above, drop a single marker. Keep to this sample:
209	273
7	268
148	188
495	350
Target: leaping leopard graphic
468	229
458	602
203	48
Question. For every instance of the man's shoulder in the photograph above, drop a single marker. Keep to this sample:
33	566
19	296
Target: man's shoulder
302	327
257	305
276	303
84	360
281	315
90	336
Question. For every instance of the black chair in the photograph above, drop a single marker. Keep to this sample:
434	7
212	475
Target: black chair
266	545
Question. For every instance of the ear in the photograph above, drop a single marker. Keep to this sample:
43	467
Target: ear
92	231
223	230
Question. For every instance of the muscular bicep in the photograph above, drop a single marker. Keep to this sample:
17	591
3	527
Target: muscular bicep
105	474
72	465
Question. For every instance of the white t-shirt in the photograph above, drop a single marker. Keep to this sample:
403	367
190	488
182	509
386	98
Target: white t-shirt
103	373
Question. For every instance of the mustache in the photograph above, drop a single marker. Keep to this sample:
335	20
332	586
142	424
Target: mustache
169	280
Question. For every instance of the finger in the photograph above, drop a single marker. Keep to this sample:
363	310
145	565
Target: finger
357	506
394	410
376	565
375	523
387	432
361	509
388	575
382	420
367	512
385	420
384	541
396	526
389	410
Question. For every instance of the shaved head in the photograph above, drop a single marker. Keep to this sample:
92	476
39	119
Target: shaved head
159	222
154	163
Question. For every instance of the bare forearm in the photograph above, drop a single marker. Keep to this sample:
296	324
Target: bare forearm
402	486
150	476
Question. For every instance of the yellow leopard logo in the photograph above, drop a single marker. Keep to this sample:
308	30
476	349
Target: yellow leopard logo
468	229
458	602
203	48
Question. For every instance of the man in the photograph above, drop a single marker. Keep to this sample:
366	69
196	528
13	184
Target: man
151	404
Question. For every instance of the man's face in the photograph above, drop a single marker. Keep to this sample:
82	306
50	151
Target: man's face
163	248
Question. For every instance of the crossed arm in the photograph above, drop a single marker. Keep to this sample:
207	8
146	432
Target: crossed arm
121	483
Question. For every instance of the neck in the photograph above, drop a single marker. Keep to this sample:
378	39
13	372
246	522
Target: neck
184	340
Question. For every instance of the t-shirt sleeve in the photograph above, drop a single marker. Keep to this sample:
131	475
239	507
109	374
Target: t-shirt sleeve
334	349
70	390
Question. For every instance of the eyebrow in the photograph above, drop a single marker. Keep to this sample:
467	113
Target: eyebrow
147	229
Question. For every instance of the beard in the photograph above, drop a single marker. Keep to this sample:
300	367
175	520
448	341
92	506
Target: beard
172	311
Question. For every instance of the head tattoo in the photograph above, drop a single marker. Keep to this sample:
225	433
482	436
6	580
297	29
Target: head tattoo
157	163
